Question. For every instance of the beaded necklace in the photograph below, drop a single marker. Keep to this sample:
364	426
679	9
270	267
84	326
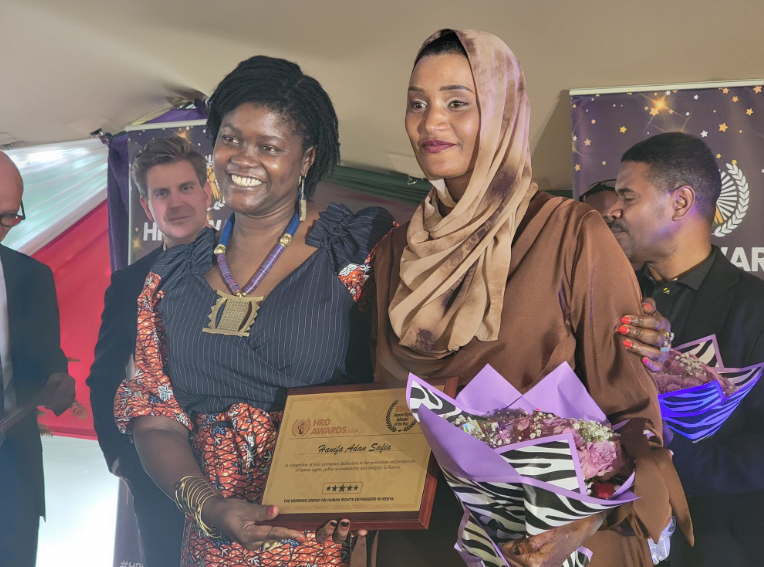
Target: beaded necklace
234	314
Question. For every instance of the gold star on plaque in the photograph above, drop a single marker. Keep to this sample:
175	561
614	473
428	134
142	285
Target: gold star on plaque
723	127
749	111
623	129
757	90
587	142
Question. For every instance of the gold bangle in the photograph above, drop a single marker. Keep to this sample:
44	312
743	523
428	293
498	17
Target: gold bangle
191	492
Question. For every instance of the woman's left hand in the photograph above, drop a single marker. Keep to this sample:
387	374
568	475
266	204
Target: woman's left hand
552	548
337	531
647	335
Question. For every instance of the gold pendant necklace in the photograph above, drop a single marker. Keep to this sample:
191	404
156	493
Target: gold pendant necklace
233	315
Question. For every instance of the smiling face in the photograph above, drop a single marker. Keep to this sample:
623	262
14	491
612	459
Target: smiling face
177	201
641	218
443	119
258	159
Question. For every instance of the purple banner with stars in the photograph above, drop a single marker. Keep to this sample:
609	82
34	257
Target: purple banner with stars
729	119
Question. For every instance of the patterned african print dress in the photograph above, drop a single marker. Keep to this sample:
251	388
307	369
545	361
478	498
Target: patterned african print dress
229	390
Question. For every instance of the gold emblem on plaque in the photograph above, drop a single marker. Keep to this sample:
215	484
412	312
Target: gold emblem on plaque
301	427
233	315
399	419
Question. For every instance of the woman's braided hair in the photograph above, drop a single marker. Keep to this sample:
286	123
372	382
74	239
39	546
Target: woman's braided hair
281	86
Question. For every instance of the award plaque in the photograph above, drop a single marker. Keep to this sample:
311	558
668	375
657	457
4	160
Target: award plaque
354	452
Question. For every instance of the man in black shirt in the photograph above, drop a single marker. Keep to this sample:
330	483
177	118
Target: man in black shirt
667	189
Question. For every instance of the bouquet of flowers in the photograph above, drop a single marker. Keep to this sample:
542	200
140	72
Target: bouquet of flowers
522	464
697	393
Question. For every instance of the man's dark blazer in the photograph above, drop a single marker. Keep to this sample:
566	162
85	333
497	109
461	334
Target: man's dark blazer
116	344
35	346
160	523
724	476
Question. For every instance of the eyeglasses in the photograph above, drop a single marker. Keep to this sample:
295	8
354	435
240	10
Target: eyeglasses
598	187
9	220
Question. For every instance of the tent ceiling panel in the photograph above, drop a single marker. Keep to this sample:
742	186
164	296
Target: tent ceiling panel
71	67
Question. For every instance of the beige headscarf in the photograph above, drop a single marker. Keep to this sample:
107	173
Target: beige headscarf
454	268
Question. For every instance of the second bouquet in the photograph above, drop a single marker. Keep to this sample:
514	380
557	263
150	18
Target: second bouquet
522	464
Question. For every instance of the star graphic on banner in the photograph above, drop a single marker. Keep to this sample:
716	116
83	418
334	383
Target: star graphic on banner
740	131
757	90
594	121
574	106
575	138
695	97
734	99
604	163
726	91
749	111
578	167
647	108
671	111
734	162
704	134
686	113
723	127
668	92
587	142
654	112
623	129
718	156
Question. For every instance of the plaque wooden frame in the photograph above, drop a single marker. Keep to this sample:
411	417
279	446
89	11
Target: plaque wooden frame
417	520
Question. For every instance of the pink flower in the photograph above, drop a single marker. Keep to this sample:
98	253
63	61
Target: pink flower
567	427
522	425
597	458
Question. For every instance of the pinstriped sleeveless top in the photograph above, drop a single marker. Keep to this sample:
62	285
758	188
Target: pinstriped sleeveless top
308	331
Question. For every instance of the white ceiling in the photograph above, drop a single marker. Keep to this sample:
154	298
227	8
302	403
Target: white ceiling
70	67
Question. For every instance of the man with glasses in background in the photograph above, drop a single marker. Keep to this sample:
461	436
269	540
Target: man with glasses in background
33	372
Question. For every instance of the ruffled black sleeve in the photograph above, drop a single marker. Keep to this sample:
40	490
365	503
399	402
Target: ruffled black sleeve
183	260
351	240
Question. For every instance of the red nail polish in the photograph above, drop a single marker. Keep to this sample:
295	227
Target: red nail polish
623	329
647	306
272	510
628	344
626	320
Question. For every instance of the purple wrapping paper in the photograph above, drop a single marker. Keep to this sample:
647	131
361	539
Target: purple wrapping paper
516	490
700	411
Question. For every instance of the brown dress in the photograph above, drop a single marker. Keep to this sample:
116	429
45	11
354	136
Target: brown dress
569	285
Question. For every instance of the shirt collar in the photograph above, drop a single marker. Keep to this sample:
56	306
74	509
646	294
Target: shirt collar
692	279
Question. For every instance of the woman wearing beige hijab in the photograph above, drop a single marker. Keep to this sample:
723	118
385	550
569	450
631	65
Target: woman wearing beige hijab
489	271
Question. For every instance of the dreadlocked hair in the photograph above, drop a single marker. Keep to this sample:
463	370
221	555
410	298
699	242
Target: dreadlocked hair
281	86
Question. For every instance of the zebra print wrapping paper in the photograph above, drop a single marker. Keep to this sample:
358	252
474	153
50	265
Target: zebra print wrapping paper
700	411
516	490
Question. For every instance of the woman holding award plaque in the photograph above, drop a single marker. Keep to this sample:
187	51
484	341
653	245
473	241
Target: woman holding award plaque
489	271
227	325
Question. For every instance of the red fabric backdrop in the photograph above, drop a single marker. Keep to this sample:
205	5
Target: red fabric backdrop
79	259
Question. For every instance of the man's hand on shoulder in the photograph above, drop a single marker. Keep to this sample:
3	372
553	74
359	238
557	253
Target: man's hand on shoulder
59	393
